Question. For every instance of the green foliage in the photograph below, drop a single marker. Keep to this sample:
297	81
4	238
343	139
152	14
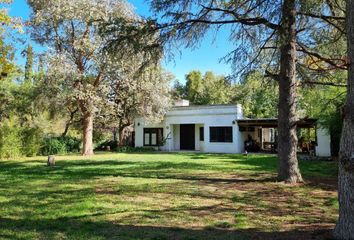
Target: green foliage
258	97
10	140
60	145
6	99
72	144
134	149
53	146
31	141
204	89
325	103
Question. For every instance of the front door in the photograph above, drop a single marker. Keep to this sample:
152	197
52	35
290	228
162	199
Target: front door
187	136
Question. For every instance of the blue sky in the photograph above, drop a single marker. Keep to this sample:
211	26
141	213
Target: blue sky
205	57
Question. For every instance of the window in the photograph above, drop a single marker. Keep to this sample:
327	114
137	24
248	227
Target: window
220	134
153	136
201	133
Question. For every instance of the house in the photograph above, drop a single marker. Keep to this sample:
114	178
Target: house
216	129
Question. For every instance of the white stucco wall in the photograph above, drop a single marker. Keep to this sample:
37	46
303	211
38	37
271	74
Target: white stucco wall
213	116
323	148
139	125
176	137
201	116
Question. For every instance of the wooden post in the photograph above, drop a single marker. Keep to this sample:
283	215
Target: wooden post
51	161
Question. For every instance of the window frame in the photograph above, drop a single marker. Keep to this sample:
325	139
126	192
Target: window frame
224	134
151	131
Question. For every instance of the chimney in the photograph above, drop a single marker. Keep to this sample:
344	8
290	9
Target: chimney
182	103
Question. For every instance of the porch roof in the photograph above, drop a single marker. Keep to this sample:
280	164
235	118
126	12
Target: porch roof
273	122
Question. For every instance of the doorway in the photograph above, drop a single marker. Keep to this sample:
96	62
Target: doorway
187	137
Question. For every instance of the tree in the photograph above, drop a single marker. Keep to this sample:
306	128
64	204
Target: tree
194	88
7	65
79	61
29	65
258	96
134	94
272	35
205	89
345	225
288	169
260	23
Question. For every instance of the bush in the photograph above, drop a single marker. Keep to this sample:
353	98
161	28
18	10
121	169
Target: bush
60	145
72	144
103	146
31	141
10	141
52	146
134	149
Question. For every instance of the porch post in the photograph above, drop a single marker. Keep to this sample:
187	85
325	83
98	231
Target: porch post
169	135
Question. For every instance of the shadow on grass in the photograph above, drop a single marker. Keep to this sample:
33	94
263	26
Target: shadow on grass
71	228
188	169
71	171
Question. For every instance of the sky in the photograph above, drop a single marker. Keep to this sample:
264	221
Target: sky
205	57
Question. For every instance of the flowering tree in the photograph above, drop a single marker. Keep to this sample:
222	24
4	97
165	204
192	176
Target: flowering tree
138	94
78	62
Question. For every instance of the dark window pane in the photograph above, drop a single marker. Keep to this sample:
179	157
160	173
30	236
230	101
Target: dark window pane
220	134
201	133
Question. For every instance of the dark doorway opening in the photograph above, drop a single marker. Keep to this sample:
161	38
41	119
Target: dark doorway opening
187	137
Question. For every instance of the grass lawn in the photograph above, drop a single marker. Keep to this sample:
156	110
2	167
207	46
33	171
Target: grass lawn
164	196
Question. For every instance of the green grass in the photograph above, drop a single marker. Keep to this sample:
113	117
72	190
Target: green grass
163	196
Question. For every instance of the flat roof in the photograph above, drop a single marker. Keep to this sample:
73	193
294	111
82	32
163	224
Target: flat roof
204	106
273	122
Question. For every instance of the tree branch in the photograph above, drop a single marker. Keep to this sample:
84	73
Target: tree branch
323	83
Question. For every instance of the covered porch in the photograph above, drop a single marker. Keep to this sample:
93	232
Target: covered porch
260	135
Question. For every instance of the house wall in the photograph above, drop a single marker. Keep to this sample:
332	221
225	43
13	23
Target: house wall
323	148
139	125
206	116
213	116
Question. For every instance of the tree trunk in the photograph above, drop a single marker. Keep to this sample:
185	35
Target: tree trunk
69	122
121	136
288	169
88	134
345	225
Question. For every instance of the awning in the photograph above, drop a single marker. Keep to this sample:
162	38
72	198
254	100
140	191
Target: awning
273	123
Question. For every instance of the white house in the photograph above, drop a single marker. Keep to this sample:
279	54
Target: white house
214	129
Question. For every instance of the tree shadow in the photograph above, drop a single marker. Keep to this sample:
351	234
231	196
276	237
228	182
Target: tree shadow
76	228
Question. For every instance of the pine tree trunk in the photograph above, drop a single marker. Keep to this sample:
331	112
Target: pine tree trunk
288	169
345	225
87	134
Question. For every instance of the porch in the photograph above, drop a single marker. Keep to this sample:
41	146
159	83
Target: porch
260	135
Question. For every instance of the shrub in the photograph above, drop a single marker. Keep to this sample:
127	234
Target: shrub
103	146
134	149
10	141
60	145
31	141
53	146
72	144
